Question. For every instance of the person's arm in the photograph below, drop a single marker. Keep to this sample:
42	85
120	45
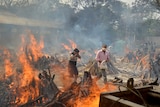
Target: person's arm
78	56
72	56
98	57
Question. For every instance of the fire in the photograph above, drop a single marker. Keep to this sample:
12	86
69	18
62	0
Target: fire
66	47
72	45
36	47
8	65
24	83
8	68
93	99
29	77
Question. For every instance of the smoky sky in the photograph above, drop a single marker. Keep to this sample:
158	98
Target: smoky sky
72	29
90	39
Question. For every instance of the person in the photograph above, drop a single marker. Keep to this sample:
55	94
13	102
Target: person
102	56
156	68
72	68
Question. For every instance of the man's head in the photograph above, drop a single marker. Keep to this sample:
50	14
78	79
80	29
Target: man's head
76	50
104	47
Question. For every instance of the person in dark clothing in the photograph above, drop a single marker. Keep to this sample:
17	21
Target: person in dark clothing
156	68
72	68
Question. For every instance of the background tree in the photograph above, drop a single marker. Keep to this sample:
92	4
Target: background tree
145	15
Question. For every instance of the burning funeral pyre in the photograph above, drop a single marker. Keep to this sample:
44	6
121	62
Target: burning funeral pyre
30	78
27	80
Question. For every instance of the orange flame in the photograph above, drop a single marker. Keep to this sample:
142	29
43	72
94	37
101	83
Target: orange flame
73	44
25	84
93	99
8	65
8	68
66	47
28	82
35	47
29	75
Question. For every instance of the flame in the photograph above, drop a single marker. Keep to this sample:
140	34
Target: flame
66	47
28	81
8	68
93	99
29	76
25	84
8	65
35	47
73	44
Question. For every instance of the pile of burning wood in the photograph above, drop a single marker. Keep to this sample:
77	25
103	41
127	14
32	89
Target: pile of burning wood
32	84
28	80
39	88
49	94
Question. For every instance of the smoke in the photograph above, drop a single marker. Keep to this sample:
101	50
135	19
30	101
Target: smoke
77	27
9	39
88	28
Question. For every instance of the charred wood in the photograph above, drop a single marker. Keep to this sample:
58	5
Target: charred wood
37	101
117	80
154	82
55	104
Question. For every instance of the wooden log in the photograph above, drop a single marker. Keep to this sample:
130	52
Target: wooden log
36	101
55	104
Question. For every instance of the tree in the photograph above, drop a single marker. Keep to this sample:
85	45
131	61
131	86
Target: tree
144	15
156	3
12	3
